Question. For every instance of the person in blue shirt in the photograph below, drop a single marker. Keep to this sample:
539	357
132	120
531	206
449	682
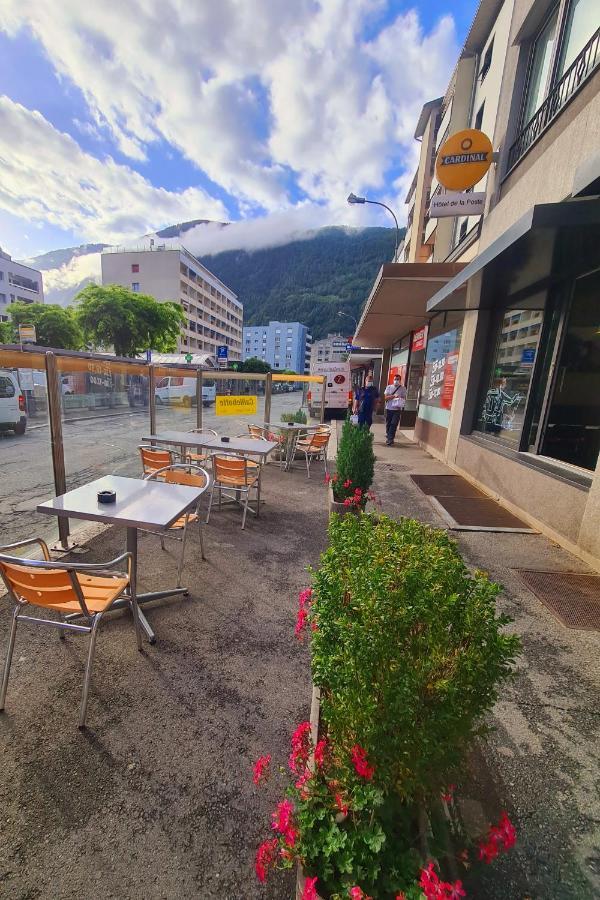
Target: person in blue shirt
364	402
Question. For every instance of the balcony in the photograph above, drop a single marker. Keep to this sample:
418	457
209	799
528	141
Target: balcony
578	72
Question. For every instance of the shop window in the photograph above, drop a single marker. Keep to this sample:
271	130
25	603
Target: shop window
441	362
501	409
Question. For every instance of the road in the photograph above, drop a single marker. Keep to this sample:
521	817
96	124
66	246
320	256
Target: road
100	445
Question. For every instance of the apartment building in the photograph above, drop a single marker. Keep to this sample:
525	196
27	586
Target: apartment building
329	349
416	248
501	328
283	345
18	284
214	315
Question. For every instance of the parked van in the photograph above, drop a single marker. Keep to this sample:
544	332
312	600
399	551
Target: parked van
175	389
13	416
338	389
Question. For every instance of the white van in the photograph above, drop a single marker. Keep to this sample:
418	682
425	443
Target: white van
12	403
338	389
175	389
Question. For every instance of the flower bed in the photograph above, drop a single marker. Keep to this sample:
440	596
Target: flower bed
409	656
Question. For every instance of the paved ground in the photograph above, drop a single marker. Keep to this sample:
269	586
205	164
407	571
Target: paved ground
156	799
542	762
95	445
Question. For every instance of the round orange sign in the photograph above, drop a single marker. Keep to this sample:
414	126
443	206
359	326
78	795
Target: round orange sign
463	159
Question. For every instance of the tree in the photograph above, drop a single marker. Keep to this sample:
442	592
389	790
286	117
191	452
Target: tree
55	326
6	333
111	315
254	364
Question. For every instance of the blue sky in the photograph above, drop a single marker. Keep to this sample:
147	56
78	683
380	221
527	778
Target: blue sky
118	120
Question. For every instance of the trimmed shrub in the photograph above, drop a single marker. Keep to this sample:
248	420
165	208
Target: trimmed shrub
355	463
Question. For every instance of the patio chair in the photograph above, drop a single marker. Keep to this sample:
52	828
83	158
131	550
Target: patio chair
155	458
193	476
252	463
199	458
233	474
314	447
73	590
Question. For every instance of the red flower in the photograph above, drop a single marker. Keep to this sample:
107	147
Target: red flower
341	804
429	880
347	483
347	501
507	832
261	767
448	793
488	851
455	891
320	753
265	858
282	817
356	893
310	889
301	745
327	478
361	764
304	598
401	896
300	622
290	835
302	782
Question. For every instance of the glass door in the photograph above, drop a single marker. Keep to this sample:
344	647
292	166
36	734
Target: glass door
572	432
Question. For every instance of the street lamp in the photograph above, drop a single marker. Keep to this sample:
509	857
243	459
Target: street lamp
348	316
352	199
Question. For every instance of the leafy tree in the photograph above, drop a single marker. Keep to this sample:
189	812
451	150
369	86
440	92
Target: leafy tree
254	364
6	333
111	315
55	326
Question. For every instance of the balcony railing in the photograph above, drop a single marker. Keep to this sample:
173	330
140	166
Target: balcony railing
579	70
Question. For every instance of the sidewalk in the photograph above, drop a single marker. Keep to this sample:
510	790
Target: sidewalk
541	762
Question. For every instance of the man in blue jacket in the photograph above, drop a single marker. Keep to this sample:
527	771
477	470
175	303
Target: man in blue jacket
364	403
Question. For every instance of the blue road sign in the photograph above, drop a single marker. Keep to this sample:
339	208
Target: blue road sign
351	347
222	351
528	357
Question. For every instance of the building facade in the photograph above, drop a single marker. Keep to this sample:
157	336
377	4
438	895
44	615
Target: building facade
283	345
18	284
329	349
510	390
214	315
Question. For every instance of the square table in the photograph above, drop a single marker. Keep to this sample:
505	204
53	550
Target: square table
151	505
293	430
208	441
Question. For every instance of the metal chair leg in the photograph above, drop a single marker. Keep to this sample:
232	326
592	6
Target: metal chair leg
9	655
201	540
183	540
308	464
245	510
88	670
258	495
210	502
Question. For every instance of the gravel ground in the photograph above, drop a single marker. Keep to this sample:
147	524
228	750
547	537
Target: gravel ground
541	761
155	799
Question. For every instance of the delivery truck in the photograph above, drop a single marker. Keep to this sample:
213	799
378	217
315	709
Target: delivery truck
338	389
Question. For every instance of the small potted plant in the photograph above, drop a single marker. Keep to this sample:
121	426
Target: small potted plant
409	657
349	488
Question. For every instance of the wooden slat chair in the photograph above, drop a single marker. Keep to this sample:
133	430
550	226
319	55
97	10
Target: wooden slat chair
73	590
154	458
258	431
314	447
233	477
192	476
200	458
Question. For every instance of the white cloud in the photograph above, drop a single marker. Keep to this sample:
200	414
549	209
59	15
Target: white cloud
254	94
47	177
60	281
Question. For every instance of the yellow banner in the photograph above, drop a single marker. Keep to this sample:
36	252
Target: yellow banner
236	406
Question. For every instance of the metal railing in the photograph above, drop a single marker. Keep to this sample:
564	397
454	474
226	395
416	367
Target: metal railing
578	72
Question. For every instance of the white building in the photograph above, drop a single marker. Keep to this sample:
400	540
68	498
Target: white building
18	284
213	312
329	349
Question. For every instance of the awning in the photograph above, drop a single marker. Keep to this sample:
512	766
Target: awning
397	303
533	228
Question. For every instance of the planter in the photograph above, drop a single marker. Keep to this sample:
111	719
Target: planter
338	507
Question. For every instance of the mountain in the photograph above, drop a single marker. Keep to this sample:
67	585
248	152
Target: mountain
306	280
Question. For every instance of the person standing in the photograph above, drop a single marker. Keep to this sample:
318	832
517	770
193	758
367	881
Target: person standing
395	400
364	403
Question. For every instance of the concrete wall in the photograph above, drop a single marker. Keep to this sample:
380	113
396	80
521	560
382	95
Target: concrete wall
158	274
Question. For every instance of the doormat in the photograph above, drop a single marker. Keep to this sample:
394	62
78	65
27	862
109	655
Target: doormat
446	486
573	598
465	508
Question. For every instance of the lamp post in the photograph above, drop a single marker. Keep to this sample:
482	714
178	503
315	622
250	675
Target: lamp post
352	199
348	316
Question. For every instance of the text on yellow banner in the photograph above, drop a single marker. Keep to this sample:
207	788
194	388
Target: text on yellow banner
236	406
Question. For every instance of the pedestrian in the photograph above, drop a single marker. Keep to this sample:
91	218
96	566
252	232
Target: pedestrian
364	403
395	400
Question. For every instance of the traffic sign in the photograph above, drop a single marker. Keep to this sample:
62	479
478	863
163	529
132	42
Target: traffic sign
351	347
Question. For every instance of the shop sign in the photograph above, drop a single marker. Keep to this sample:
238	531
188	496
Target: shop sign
236	406
27	334
528	357
419	339
463	159
455	204
440	369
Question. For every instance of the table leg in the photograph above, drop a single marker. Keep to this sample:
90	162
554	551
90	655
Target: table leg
132	547
291	450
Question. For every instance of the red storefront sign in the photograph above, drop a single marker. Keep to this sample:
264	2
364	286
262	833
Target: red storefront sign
419	339
449	380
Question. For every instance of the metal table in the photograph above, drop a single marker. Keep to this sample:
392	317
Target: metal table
141	504
246	446
293	430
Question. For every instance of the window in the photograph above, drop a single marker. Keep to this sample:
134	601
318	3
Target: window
1	276
7	388
135	267
462	231
135	286
2	298
539	67
487	61
479	117
581	23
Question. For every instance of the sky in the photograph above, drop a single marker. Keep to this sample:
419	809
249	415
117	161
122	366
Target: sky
118	118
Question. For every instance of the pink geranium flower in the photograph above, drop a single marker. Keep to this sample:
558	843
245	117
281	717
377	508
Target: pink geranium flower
261	768
265	858
320	753
310	889
361	763
282	817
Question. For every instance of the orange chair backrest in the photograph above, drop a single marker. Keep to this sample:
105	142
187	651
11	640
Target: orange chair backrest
319	439
256	431
154	459
41	587
180	476
230	468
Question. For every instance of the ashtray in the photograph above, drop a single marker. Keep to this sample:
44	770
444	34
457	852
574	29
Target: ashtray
107	496
225	440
